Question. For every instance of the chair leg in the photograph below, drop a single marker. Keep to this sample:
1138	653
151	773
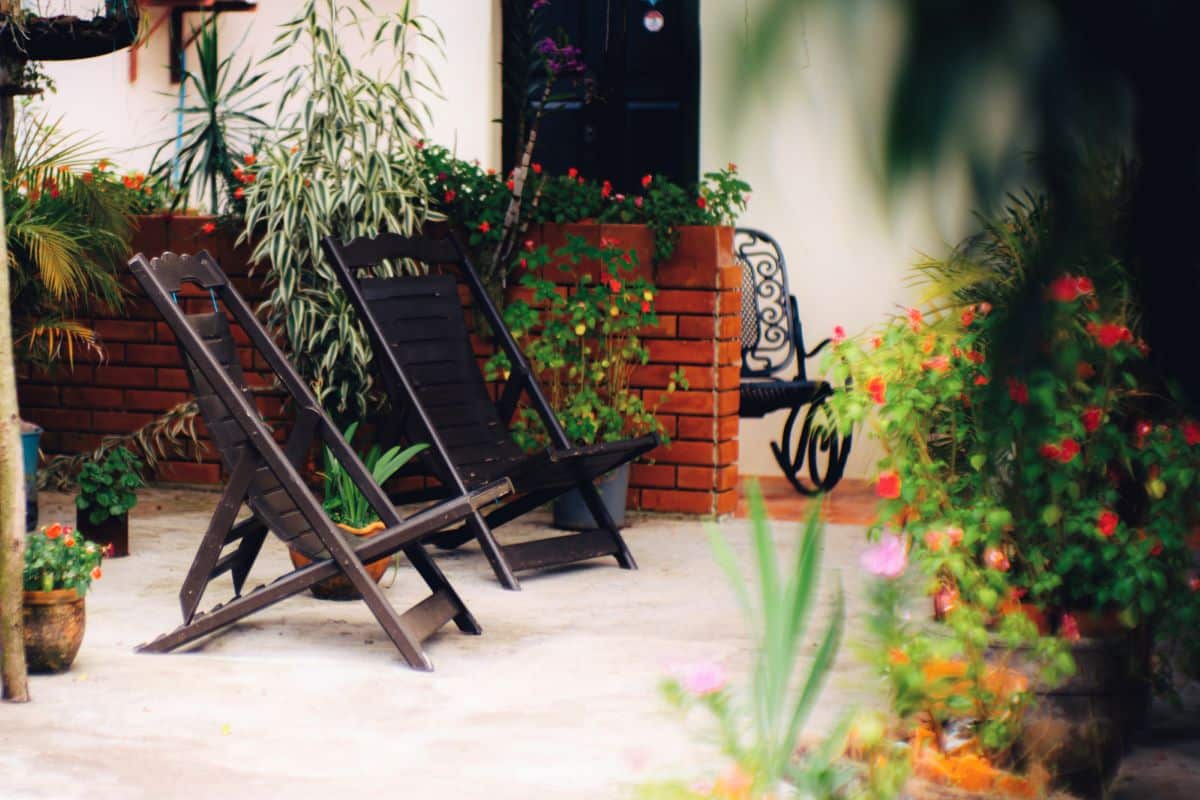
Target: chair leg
452	540
492	549
436	581
605	522
816	444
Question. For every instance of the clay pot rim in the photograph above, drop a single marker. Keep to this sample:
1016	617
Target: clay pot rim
366	530
55	597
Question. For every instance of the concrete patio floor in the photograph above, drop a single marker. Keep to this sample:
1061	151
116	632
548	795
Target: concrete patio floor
309	699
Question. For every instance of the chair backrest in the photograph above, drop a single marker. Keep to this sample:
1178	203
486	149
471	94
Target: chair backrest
422	347
771	336
277	494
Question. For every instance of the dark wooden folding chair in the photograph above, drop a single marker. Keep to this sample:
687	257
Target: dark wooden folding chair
422	350
264	475
772	340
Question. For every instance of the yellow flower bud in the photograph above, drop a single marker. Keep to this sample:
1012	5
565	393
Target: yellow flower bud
580	329
614	311
647	295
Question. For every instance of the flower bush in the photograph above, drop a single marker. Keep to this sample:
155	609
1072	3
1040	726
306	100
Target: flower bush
476	200
57	557
583	344
108	485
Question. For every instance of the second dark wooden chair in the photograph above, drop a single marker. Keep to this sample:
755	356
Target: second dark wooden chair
422	349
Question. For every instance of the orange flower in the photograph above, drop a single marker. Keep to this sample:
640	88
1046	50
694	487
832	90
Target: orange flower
53	531
877	388
250	159
887	485
96	573
239	193
208	227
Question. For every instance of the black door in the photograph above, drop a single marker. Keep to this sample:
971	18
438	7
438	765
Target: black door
638	110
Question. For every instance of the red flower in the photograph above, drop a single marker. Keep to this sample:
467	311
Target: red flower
69	540
511	185
250	159
1142	347
239	193
982	380
208	227
442	176
1065	289
1092	417
877	388
914	318
1194	583
1157	549
645	306
994	558
955	535
614	285
877	342
637	202
975	357
1018	391
606	189
1106	523
450	195
936	364
1069	628
646	179
54	531
1049	451
1191	432
1084	370
529	245
87	177
96	573
968	317
484	227
984	308
839	334
888	485
1084	285
537	168
248	178
1068	449
1143	429
572	173
1110	334
109	550
420	144
701	203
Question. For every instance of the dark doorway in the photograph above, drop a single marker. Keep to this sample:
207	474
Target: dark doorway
639	111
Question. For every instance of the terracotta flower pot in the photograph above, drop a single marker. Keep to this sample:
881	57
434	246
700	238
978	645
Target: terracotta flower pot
54	624
339	586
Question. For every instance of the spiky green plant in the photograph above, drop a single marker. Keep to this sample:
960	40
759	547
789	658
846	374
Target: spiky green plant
344	164
222	125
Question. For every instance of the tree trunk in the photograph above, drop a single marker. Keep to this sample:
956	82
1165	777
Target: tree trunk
13	679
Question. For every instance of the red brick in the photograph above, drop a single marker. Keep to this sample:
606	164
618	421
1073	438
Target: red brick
701	328
189	472
653	475
681	452
678	501
78	442
668	351
697	428
146	400
684	301
729	376
652	376
726	502
697	478
727	452
91	397
699	242
690	403
124	377
729	277
729	327
729	352
729	302
686	273
175	379
153	355
728	402
665	329
36	395
727	478
119	422
59	419
121	330
163	333
727	428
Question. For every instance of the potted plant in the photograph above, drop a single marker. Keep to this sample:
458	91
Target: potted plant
583	346
108	487
351	511
60	566
1037	468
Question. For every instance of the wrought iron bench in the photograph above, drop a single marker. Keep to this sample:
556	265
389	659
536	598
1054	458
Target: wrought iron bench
771	341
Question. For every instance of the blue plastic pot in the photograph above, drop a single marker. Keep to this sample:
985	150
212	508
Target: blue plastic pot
31	436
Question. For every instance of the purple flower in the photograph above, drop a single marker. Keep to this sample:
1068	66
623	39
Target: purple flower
885	559
561	60
539	4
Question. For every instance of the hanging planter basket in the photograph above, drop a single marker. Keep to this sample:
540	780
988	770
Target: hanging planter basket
67	38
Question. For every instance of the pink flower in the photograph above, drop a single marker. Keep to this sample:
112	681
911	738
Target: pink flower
968	317
1069	628
914	318
646	180
637	202
887	558
839	334
936	364
994	558
703	679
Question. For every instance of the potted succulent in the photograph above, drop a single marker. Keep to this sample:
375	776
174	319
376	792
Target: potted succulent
1023	471
60	566
108	487
347	507
583	345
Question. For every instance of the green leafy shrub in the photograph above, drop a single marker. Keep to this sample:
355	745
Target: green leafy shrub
57	557
108	487
583	345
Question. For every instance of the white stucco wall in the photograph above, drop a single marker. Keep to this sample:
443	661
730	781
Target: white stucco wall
802	145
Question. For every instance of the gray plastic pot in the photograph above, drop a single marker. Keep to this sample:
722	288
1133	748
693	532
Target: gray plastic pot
571	512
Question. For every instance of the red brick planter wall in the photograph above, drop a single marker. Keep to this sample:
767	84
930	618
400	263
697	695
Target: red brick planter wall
698	305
